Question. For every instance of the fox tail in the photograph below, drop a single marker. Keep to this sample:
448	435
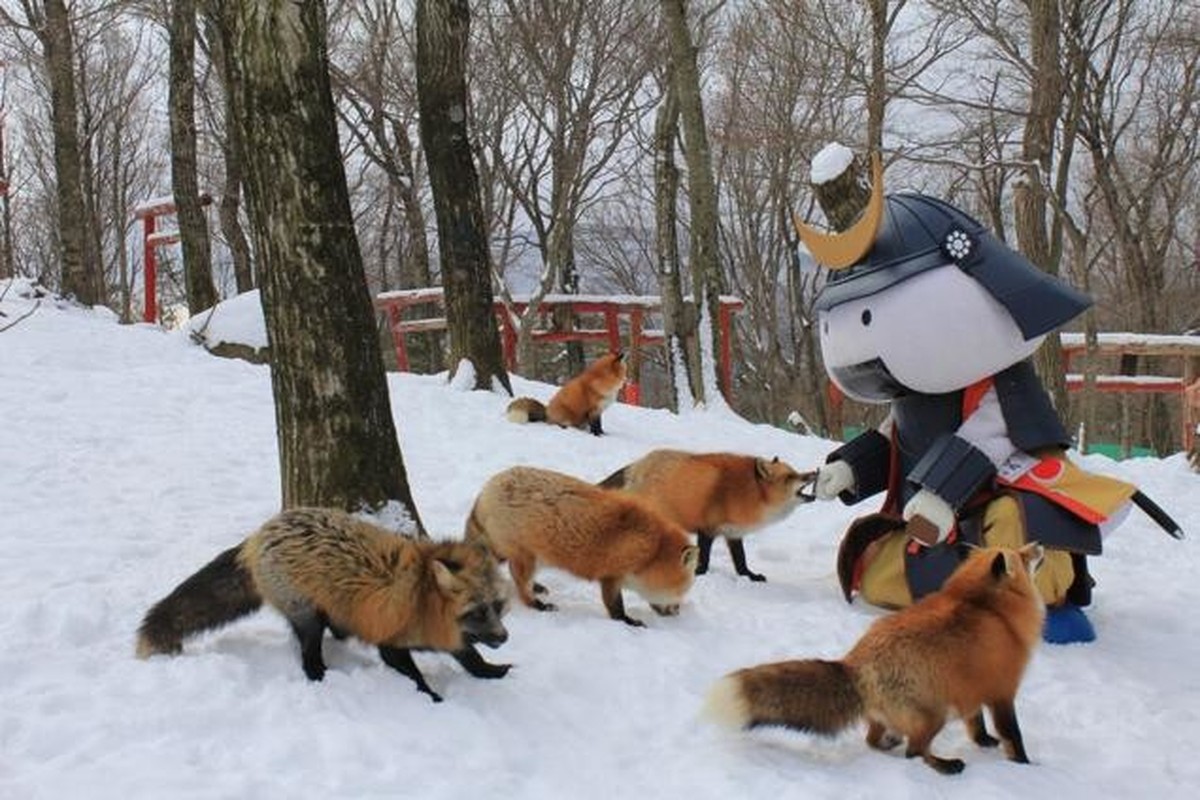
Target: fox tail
222	591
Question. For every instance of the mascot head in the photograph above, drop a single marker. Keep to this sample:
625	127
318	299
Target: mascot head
922	298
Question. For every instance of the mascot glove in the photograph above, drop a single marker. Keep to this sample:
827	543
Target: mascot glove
833	479
933	509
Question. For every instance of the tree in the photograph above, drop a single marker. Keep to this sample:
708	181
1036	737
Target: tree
337	441
708	281
193	228
443	30
229	206
51	24
374	79
574	71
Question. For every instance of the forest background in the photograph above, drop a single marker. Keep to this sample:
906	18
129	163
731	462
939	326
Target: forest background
1071	128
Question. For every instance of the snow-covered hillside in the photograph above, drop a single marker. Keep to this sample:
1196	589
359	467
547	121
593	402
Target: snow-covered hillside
129	457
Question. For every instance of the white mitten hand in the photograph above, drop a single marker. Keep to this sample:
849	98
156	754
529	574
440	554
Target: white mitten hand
934	510
833	479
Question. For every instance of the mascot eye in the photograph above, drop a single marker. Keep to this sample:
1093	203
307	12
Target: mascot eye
866	317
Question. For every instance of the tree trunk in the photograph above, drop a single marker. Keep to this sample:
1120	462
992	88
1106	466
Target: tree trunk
679	327
877	80
843	198
708	282
337	440
193	228
79	275
1037	150
7	267
228	209
443	28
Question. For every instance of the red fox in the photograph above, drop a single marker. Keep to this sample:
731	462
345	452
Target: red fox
529	516
325	568
580	401
954	651
714	494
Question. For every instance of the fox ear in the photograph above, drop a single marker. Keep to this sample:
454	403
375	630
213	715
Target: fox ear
1032	555
443	573
762	468
690	557
619	355
999	566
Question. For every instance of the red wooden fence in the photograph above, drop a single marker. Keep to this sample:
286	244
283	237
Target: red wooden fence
623	319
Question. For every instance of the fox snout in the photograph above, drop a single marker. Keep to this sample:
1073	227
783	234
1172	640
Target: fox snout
491	639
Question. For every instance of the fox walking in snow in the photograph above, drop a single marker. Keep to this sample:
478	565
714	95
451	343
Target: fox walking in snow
953	652
530	516
714	494
323	568
580	401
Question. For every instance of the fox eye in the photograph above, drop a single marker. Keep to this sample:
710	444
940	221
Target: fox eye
475	614
866	317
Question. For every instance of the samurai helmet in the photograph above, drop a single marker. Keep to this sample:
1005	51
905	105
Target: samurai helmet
902	235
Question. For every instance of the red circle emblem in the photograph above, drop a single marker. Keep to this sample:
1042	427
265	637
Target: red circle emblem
1048	470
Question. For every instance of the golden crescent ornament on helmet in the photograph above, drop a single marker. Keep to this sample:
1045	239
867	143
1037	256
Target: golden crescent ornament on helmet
836	251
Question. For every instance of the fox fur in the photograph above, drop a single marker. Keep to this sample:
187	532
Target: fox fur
953	652
580	401
529	516
714	494
323	568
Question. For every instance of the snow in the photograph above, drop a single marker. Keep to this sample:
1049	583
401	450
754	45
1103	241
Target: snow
832	160
129	457
1126	339
237	320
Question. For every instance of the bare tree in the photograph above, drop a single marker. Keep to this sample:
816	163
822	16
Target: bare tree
50	22
7	262
575	72
443	30
337	440
230	203
704	256
193	228
374	79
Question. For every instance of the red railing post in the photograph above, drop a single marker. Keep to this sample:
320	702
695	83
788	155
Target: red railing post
150	311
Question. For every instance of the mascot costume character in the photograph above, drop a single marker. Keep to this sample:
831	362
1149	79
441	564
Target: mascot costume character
927	311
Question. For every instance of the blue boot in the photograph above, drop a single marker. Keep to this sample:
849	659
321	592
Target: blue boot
1067	624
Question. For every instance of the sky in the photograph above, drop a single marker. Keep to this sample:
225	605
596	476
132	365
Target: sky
129	457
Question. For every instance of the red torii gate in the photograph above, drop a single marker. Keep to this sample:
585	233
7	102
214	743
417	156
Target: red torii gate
148	212
632	309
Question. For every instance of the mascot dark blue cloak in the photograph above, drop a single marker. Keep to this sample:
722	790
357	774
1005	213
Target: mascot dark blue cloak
928	312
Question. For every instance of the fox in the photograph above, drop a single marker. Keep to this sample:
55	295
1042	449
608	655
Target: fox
715	494
529	516
953	652
580	401
324	568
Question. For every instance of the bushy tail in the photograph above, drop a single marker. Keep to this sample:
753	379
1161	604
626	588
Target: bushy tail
526	409
813	696
476	534
222	591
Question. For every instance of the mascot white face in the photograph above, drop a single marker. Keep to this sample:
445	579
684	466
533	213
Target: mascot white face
937	331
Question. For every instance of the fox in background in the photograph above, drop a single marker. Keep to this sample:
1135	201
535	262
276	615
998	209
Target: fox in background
528	516
955	651
580	401
715	494
323	568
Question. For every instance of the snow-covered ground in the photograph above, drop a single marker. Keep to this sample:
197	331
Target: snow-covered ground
129	457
